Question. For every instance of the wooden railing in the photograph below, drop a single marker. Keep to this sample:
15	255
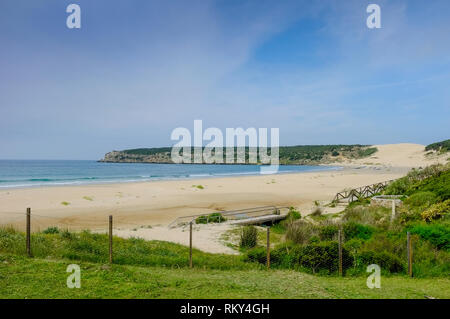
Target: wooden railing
361	192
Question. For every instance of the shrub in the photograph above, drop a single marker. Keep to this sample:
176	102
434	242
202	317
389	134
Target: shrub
293	214
66	234
437	234
398	187
258	254
328	232
421	199
249	237
201	220
436	211
431	178
384	259
51	230
291	217
216	218
354	230
299	232
324	256
316	257
439	184
369	215
211	218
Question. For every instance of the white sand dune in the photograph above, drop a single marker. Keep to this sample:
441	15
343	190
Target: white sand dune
401	155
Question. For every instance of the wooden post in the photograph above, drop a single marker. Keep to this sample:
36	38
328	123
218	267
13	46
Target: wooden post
268	248
110	239
190	245
393	211
340	251
28	238
410	253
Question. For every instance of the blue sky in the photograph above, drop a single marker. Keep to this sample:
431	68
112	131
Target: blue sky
138	69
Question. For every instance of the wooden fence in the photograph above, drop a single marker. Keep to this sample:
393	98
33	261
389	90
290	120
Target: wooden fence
361	192
409	245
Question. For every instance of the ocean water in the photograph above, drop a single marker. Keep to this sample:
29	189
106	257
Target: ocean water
35	173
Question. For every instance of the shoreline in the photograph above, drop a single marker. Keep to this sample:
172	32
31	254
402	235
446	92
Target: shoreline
158	203
321	167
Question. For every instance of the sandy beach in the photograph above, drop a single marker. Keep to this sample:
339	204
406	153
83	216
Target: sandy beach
160	202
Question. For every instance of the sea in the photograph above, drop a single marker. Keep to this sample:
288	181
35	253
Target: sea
39	173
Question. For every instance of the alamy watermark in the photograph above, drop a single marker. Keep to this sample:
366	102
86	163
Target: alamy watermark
241	146
374	279
374	19
74	279
73	20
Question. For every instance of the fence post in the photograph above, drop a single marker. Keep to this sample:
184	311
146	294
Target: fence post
268	248
28	238
110	239
410	253
340	251
393	211
190	244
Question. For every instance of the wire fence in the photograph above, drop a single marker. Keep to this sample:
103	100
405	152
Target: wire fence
340	256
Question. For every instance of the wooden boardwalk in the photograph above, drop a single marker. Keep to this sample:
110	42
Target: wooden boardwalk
255	215
361	192
258	220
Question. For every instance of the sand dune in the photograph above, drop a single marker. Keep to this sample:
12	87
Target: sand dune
400	155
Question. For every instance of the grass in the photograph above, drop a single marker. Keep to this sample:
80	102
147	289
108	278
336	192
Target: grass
65	203
89	247
22	277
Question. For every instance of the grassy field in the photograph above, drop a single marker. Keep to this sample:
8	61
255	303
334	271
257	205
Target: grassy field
21	277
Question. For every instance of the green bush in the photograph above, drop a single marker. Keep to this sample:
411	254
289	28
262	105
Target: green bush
384	259
51	230
436	234
324	256
354	230
398	187
438	184
434	178
328	232
249	237
315	257
257	254
293	214
211	218
422	199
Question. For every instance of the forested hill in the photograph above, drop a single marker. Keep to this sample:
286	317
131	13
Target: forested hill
303	154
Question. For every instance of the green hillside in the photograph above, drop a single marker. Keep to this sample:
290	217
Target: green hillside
303	154
441	147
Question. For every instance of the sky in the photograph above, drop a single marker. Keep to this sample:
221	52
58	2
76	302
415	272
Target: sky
136	70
